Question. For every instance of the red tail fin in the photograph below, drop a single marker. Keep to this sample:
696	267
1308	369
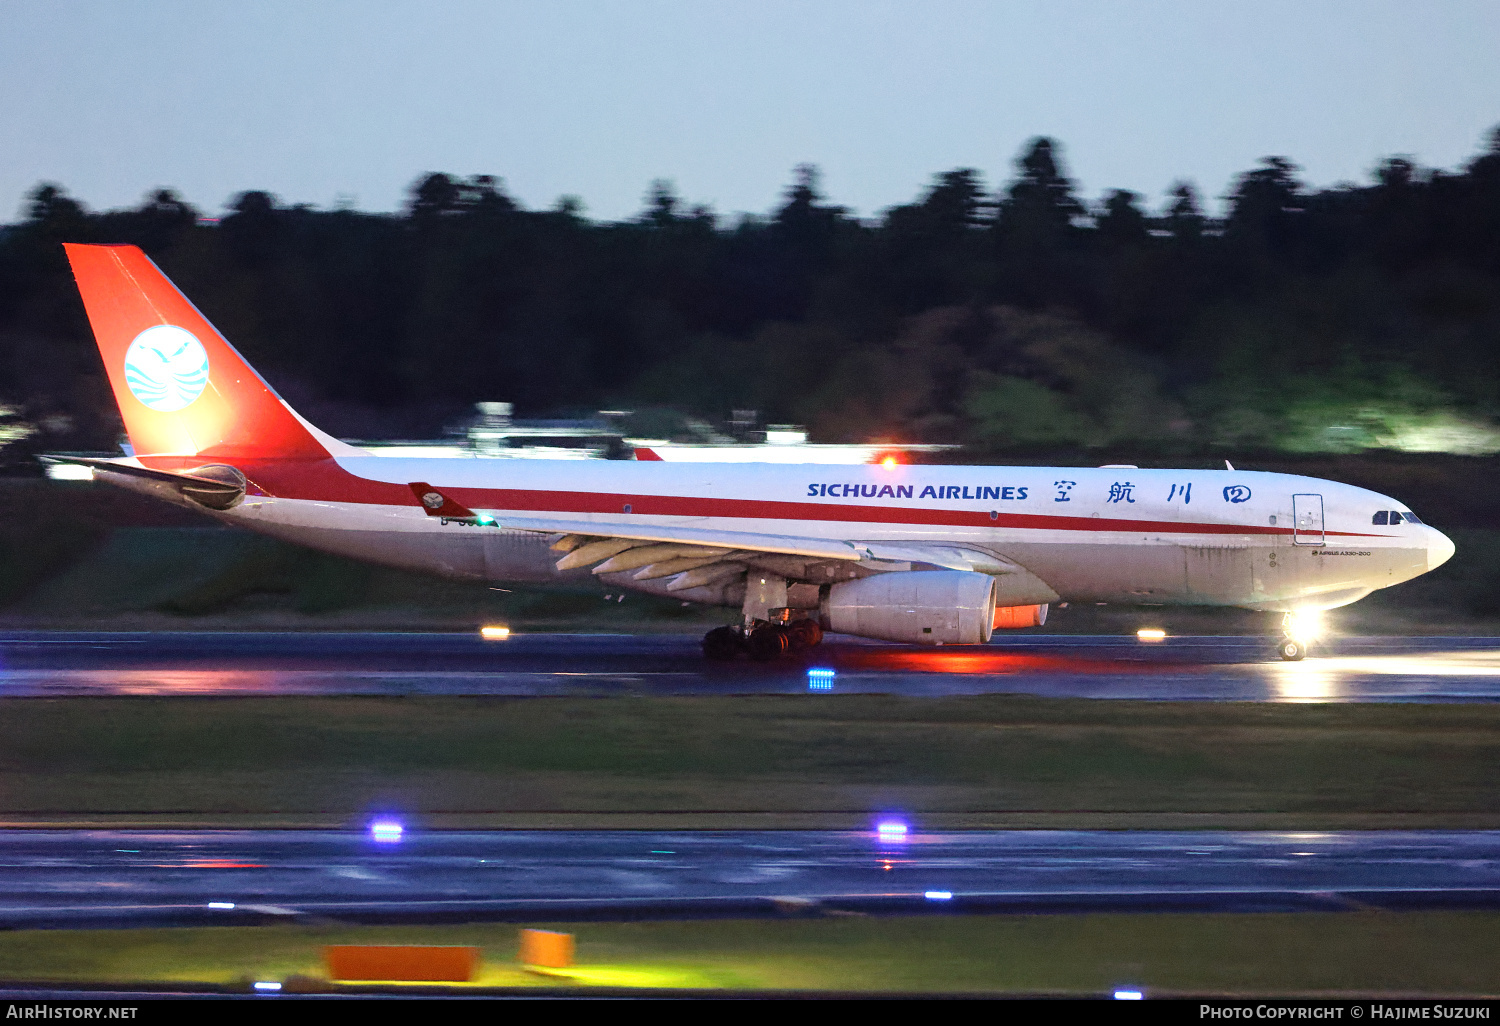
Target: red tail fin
182	389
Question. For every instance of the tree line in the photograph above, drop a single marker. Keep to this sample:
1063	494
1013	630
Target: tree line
1022	318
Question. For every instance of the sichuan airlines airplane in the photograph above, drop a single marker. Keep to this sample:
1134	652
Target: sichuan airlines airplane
936	555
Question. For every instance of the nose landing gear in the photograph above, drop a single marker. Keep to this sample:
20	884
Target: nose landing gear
1297	630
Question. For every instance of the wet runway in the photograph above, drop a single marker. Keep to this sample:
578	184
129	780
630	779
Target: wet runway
117	878
1394	669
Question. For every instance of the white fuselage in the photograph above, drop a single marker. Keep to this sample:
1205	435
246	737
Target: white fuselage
1189	537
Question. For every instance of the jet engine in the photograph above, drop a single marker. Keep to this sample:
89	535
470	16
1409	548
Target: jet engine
924	607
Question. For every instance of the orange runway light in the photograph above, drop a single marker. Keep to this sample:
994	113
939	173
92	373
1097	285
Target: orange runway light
408	963
494	633
546	948
1150	634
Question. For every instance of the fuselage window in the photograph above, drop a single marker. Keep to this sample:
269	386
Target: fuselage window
1380	518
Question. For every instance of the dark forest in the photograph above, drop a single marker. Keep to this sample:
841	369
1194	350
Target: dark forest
1022	319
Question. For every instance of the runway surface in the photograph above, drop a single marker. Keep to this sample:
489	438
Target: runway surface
116	878
1385	669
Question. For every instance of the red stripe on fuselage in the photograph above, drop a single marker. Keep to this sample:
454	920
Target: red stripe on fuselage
326	481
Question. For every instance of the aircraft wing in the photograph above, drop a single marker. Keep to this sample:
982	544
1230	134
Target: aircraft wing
436	503
695	556
811	548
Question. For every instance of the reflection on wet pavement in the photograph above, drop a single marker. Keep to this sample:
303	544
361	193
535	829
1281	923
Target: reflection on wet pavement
1442	669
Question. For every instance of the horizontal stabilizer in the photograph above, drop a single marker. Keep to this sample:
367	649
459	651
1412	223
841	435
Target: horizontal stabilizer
215	486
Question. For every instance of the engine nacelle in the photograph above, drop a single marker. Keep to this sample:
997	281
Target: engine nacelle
1015	617
923	607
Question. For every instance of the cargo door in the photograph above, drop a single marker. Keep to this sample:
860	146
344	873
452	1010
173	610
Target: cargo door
1307	519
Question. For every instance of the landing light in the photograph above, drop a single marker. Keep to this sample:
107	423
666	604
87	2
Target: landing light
1128	995
221	904
386	831
494	633
938	895
1305	626
1150	634
270	985
889	462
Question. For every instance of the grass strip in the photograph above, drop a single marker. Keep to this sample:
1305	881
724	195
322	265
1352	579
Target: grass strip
1369	952
815	760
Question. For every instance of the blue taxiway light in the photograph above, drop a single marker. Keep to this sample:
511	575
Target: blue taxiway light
386	831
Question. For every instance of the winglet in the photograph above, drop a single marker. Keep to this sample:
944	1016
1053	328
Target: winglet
436	504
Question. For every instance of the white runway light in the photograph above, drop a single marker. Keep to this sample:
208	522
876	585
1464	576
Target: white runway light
1128	995
221	904
494	633
1150	634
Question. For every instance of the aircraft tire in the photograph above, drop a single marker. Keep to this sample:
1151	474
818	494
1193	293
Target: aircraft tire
804	634
722	644
1291	649
768	642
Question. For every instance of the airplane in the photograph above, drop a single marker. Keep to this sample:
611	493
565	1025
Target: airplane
915	554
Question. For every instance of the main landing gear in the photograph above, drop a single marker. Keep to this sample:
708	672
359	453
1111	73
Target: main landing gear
764	641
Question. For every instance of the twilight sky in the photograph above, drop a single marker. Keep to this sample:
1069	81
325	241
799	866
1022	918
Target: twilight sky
334	101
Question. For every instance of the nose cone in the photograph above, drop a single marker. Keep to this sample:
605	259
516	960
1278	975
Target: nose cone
1439	548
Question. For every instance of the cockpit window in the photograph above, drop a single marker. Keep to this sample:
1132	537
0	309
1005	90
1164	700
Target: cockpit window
1380	518
1411	518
